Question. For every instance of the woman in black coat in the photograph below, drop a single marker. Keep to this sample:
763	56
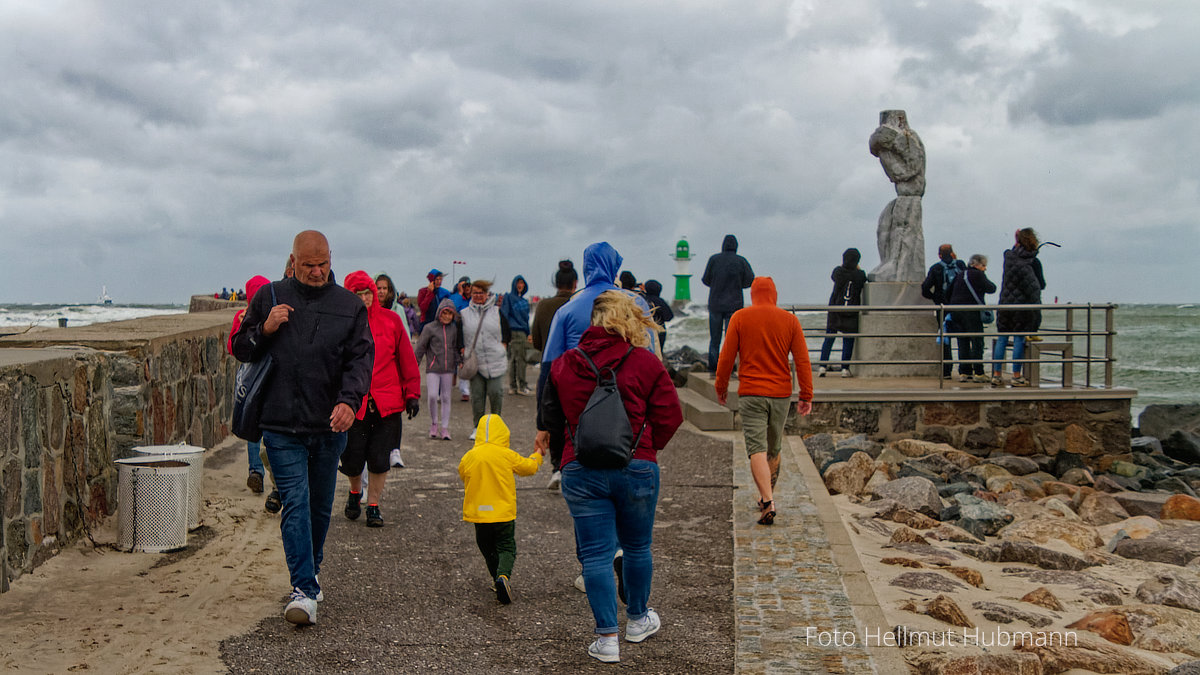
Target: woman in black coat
1022	284
970	321
848	281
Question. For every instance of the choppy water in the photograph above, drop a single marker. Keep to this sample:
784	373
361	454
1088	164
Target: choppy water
22	316
1157	347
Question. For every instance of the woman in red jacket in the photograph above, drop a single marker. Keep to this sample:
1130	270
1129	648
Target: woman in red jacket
615	507
395	388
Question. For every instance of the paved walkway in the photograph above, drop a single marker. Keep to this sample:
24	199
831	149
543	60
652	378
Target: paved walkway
791	580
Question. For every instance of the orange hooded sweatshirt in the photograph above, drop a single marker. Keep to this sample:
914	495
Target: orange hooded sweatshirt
762	335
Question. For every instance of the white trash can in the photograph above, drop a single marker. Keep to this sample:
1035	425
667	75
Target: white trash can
152	504
194	457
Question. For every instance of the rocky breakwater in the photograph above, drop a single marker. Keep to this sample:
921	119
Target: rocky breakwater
1025	564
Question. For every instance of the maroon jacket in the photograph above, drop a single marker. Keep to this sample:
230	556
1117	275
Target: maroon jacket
646	390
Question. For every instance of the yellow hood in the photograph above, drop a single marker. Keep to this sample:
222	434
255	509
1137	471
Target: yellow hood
491	430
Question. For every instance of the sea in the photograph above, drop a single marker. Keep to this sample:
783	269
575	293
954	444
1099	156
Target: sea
1156	346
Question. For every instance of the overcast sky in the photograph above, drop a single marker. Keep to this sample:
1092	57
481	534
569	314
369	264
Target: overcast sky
166	152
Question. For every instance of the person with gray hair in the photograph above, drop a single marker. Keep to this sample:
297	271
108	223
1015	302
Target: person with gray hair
970	347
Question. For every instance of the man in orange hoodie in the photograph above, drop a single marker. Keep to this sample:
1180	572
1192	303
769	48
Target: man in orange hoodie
761	336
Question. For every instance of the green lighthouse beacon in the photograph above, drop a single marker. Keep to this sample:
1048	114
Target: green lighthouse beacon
683	260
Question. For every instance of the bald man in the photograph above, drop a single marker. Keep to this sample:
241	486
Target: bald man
317	334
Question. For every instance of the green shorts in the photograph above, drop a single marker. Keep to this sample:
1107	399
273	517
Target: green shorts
763	418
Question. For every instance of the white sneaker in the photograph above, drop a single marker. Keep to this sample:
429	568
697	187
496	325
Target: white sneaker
302	610
320	591
636	631
472	436
555	481
846	372
605	649
582	587
821	371
396	459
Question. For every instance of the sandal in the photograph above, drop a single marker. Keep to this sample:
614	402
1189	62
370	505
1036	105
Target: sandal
768	512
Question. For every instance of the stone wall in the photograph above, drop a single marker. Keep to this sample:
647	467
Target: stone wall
1091	427
75	399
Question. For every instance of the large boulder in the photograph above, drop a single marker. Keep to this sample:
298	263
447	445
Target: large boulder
1159	628
927	581
1042	597
1160	420
1171	545
820	447
1101	508
1142	503
1090	586
913	447
1181	507
914	493
1095	656
981	517
1014	464
859	443
1041	530
1107	623
1025	552
1001	613
1183	446
849	477
1138	527
1169	590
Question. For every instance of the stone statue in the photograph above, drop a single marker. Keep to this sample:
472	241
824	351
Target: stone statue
899	235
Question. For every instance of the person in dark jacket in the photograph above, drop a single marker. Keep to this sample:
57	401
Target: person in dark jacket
515	309
727	274
660	311
615	507
936	287
970	321
565	280
848	282
318	337
1021	284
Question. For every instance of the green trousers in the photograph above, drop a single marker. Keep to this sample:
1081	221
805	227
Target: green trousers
498	544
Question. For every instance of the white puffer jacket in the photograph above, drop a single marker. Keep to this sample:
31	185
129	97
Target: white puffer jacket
489	349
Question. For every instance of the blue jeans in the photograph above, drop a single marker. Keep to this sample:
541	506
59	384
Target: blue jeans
305	468
256	463
611	508
998	354
717	323
827	348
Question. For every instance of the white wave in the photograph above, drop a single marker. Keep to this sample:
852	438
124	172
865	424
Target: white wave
78	315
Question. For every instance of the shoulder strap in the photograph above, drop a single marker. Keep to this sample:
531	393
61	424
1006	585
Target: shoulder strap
614	368
967	281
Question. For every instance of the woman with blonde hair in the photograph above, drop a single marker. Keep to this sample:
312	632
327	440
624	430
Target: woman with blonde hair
613	507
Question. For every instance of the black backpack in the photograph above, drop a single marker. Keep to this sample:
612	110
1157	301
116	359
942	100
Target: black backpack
603	438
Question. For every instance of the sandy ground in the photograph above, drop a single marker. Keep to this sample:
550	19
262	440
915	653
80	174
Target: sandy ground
106	611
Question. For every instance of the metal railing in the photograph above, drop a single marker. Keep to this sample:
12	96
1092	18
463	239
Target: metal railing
1082	335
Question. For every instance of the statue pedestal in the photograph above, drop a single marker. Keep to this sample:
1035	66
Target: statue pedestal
894	293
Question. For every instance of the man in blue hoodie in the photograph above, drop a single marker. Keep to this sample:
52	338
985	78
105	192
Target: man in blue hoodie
726	274
515	308
601	262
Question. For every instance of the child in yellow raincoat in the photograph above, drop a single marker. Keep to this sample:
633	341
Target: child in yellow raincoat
490	497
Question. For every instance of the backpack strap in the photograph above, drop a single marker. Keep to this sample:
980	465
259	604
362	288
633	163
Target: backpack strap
614	369
592	364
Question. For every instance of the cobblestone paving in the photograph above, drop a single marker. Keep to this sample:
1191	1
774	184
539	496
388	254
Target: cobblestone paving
785	582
